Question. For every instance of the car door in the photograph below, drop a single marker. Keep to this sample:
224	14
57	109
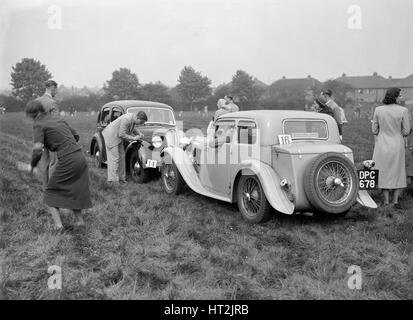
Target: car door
218	158
245	145
104	118
115	113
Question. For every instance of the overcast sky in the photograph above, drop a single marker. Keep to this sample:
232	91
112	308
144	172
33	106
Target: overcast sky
157	38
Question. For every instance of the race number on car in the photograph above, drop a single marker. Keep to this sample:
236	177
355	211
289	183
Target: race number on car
285	139
368	179
151	163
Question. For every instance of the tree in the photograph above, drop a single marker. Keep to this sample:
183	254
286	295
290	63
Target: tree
222	90
245	89
156	92
27	79
123	85
11	103
193	87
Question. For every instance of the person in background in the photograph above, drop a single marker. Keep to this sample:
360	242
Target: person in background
358	111
338	111
222	109
390	125
68	186
321	107
229	100
48	161
409	158
123	128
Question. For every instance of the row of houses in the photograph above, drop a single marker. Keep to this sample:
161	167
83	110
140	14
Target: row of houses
372	88
365	89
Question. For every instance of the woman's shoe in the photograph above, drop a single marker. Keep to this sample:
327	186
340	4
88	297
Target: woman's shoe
397	206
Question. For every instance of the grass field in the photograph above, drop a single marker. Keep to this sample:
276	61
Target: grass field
143	244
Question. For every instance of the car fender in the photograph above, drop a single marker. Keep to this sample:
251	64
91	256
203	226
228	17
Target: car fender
187	171
99	140
270	181
136	145
365	200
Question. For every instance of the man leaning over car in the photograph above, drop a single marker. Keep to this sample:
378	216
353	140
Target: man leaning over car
114	134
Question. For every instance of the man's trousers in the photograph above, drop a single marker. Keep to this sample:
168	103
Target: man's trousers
116	163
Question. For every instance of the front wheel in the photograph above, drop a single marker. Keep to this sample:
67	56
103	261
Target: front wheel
97	156
136	170
172	180
252	202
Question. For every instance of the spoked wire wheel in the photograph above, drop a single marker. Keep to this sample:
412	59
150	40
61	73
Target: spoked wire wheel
172	180
252	201
334	182
331	184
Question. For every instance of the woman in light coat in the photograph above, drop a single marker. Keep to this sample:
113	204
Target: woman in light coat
390	125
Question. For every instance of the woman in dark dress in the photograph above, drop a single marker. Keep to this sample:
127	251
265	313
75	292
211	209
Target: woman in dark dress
68	186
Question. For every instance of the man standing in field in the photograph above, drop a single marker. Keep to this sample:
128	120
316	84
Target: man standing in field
114	134
230	105
48	160
225	105
338	112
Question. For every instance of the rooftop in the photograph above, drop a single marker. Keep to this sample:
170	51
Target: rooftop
139	103
375	81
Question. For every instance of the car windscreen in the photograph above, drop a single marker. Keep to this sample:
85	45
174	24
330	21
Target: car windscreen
306	129
155	115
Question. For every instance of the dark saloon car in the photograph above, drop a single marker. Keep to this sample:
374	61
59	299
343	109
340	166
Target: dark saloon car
142	157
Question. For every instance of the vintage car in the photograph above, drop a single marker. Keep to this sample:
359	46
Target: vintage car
292	161
142	157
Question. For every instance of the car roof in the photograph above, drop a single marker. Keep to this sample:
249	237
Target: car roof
137	103
271	122
265	115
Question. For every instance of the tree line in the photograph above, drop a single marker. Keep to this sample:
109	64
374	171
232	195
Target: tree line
192	92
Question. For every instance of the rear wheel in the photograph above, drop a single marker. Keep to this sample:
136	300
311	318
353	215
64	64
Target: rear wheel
172	180
252	202
136	170
331	184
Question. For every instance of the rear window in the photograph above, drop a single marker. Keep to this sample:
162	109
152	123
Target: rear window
306	129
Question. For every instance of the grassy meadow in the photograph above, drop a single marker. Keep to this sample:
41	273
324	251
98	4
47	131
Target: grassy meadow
140	243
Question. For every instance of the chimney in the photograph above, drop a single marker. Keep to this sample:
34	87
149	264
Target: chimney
343	75
284	78
390	78
375	74
309	76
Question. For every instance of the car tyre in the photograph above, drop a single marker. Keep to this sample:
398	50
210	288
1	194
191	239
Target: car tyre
172	180
136	170
252	202
97	156
327	195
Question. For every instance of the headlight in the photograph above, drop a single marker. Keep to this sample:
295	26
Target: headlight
157	141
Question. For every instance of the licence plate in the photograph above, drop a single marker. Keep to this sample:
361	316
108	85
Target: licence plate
151	163
368	179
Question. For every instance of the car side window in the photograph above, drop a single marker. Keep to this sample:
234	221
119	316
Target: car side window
104	117
224	131
247	132
116	113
